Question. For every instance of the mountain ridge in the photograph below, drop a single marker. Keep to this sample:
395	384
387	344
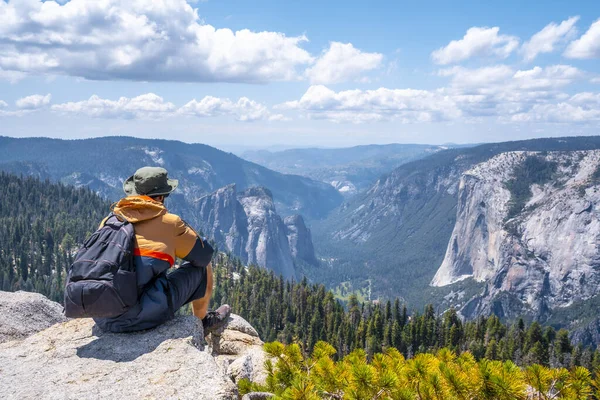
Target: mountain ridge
105	162
349	169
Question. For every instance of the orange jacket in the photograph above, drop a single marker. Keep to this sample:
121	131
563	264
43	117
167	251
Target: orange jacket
160	237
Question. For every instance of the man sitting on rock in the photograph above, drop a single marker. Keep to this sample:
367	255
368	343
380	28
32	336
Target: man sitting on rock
160	237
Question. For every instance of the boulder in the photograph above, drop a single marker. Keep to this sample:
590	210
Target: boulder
239	351
23	313
75	359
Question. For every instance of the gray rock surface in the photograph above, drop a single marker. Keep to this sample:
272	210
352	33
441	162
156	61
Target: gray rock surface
76	360
300	240
238	350
267	234
23	313
547	256
223	219
247	225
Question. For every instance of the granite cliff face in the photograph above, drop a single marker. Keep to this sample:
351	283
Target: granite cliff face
248	225
393	238
267	234
300	240
222	217
543	257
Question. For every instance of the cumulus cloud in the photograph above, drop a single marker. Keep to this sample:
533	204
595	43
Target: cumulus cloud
545	40
588	45
358	106
504	78
478	78
342	62
580	108
502	91
476	42
3	104
33	102
145	40
150	106
11	76
471	95
243	110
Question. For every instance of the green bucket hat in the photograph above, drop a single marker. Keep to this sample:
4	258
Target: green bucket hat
149	181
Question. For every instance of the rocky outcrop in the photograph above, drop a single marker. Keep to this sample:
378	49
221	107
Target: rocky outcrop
248	225
223	219
267	234
300	240
75	359
22	314
238	350
546	256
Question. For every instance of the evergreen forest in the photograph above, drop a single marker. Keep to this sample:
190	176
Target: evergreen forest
305	314
41	226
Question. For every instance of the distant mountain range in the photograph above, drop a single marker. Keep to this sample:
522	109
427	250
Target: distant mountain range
350	170
103	163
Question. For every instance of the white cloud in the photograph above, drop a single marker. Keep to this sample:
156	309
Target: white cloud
148	106
476	42
33	102
501	91
342	62
481	77
243	110
588	45
551	77
145	40
11	76
3	104
153	107
498	92
580	108
358	106
502	78
545	40
595	80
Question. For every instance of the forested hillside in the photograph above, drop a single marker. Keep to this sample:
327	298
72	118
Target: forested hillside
41	223
305	314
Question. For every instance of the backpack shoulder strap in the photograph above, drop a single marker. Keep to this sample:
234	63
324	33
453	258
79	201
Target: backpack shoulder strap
104	221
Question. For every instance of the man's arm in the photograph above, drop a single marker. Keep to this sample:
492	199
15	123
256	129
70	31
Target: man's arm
191	247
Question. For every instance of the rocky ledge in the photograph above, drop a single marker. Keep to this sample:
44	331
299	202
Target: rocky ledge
75	359
23	314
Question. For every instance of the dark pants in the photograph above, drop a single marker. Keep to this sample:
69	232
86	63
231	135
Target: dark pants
160	299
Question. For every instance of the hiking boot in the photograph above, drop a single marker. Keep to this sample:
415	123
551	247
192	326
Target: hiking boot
216	319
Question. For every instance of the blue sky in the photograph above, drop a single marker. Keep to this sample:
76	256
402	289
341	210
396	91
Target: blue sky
312	73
